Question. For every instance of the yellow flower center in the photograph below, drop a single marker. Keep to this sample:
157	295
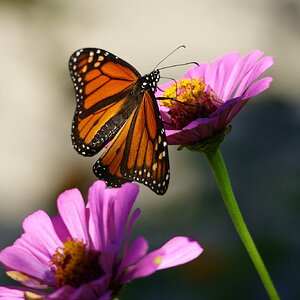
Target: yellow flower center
186	91
188	100
75	264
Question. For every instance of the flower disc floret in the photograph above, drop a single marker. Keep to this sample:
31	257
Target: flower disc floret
76	264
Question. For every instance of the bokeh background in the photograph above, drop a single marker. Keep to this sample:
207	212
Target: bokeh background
262	152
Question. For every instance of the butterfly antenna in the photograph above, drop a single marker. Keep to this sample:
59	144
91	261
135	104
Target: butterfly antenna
181	46
173	98
175	82
179	65
178	101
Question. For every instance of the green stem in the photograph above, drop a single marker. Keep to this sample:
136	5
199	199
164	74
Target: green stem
218	167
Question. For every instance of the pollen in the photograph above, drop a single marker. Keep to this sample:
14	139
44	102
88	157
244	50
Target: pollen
186	90
189	99
32	296
75	264
157	260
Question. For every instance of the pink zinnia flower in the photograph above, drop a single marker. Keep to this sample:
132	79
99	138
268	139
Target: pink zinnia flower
211	95
84	252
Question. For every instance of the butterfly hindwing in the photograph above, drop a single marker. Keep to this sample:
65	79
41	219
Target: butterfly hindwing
139	151
102	82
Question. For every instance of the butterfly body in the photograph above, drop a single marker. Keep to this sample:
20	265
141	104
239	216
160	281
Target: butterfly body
117	112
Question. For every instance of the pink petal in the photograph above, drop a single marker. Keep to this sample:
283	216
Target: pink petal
40	230
136	251
62	293
258	87
197	130
19	259
136	214
97	227
164	112
60	228
27	280
11	293
219	71
226	63
240	69
106	296
258	69
196	72
125	198
92	290
145	267
109	211
72	211
28	242
204	128
179	250
227	111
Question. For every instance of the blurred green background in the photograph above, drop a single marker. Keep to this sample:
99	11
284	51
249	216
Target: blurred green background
262	152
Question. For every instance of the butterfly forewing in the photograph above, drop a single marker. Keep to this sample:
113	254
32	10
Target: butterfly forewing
116	108
102	82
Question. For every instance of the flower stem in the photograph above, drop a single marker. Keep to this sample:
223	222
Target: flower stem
218	167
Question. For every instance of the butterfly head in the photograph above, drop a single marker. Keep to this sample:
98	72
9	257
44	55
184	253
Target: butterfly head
149	81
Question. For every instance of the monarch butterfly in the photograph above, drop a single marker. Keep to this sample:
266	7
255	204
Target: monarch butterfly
117	108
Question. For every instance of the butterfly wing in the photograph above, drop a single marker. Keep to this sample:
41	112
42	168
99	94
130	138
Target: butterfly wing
113	106
102	83
139	151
